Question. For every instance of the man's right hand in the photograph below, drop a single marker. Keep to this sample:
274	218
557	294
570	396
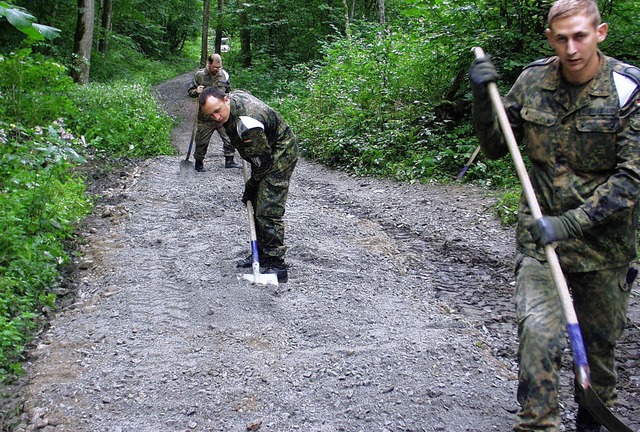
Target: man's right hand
250	192
199	89
481	73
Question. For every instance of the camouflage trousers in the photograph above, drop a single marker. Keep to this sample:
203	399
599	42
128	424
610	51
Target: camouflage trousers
204	132
600	300
269	212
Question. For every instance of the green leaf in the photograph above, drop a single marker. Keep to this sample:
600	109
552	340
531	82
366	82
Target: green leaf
18	18
31	32
47	31
24	21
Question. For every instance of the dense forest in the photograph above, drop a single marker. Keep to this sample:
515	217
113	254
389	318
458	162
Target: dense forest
375	87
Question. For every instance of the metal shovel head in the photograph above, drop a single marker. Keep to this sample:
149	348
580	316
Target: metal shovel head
590	400
186	165
261	279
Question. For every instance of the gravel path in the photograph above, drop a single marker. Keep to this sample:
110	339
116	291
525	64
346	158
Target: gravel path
397	315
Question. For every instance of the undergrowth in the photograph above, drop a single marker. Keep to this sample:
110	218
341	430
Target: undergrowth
49	127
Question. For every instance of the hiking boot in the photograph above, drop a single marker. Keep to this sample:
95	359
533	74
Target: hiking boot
586	423
200	166
230	163
280	270
245	262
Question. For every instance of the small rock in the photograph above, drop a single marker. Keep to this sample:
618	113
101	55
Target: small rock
254	425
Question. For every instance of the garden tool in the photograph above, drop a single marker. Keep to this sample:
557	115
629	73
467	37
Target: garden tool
586	396
186	164
464	169
256	277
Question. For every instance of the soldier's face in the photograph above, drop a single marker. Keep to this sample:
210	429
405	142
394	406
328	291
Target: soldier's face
214	68
575	40
216	109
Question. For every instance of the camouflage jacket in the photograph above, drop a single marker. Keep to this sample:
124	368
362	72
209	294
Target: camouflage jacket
204	78
260	135
584	153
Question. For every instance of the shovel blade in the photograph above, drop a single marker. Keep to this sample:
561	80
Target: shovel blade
590	400
262	279
186	166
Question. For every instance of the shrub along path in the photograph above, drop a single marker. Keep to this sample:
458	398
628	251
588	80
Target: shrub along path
397	315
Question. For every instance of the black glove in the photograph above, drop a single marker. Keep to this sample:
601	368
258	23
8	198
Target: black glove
482	72
261	164
250	192
549	229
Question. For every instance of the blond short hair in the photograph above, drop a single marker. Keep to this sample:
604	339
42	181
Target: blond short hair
567	8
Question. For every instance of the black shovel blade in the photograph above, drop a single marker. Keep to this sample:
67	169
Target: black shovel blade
186	165
599	411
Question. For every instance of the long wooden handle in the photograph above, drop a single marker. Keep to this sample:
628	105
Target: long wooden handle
575	335
193	132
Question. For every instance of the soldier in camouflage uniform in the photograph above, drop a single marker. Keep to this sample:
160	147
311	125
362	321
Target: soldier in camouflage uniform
211	76
578	114
264	140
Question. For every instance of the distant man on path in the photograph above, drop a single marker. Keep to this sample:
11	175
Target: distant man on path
578	114
211	76
263	139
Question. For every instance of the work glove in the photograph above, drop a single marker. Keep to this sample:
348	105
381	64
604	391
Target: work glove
549	229
250	191
481	73
261	164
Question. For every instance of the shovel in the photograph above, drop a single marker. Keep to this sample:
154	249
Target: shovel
464	169
186	164
256	277
586	396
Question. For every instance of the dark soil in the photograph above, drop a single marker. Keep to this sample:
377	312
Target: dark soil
398	314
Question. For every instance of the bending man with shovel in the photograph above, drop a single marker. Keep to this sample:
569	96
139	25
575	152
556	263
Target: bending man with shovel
578	114
264	140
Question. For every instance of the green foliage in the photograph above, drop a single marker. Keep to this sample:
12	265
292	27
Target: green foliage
370	108
41	198
41	202
507	206
34	88
25	22
125	62
122	120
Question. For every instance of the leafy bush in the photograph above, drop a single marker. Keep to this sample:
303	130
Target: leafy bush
125	62
370	108
34	89
507	206
41	198
122	120
40	204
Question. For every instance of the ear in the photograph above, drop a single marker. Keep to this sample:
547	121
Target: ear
549	36
602	31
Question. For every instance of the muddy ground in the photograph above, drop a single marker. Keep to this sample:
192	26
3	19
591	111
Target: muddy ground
397	316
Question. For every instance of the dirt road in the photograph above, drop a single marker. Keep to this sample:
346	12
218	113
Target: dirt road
397	315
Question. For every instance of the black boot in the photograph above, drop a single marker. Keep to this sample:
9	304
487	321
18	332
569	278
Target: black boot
586	423
245	262
230	163
279	269
200	166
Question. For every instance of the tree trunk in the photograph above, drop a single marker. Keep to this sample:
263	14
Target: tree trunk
83	41
347	18
103	45
219	25
381	12
204	53
245	35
